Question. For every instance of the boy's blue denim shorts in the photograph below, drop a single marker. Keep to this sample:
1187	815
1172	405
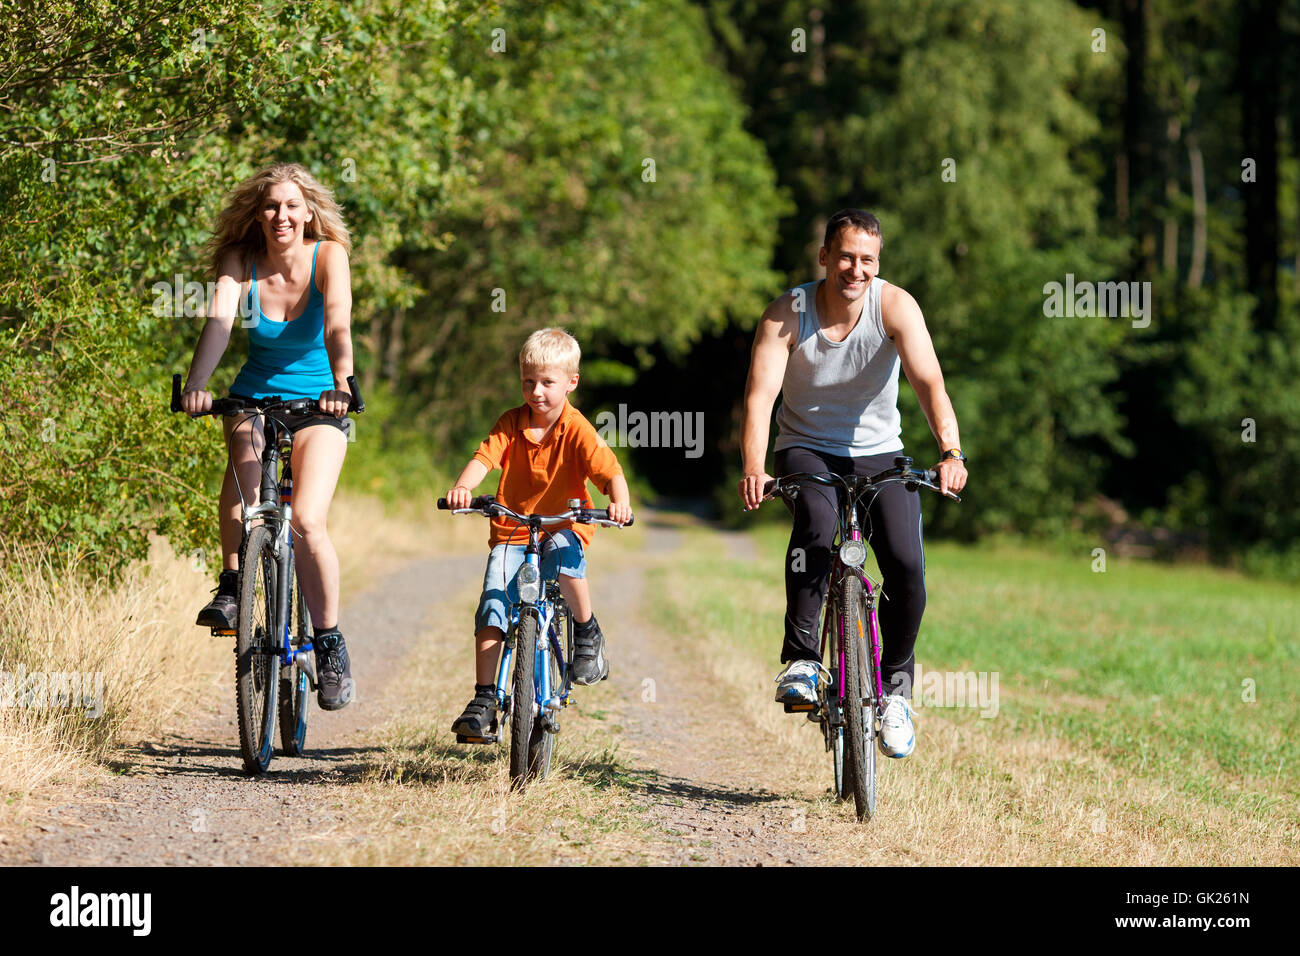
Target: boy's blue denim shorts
562	553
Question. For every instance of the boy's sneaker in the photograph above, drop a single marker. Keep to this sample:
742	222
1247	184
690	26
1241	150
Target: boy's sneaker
222	612
589	664
897	736
797	684
334	687
478	724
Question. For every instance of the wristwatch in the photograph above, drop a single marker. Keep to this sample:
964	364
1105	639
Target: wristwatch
952	454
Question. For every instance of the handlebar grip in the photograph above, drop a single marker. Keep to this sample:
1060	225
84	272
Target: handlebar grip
176	392
631	520
770	487
476	504
357	404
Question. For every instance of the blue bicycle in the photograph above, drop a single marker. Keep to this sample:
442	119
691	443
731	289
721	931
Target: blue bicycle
539	645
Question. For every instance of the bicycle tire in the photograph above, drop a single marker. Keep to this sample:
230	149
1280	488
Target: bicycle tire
294	688
256	671
541	745
833	718
522	696
859	711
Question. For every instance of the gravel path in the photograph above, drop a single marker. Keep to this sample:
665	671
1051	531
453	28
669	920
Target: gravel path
705	774
185	800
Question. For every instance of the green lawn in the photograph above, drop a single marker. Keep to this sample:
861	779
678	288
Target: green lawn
1144	663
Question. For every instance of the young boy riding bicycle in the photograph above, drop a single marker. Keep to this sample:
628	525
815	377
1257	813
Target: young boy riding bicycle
546	451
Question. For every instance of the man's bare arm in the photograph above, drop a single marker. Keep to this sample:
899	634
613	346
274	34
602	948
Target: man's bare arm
767	361
905	325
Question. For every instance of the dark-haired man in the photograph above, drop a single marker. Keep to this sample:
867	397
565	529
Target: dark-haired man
833	348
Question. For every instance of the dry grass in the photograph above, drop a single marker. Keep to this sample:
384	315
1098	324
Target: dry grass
976	791
137	638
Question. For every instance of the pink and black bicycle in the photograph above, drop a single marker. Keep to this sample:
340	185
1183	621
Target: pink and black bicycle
850	698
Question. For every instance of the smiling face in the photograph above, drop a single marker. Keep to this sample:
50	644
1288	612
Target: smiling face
852	261
283	215
545	390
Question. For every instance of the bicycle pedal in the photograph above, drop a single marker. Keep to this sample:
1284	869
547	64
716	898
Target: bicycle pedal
486	739
224	632
799	708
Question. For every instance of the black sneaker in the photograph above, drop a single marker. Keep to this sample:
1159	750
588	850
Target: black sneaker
478	724
334	687
589	664
222	612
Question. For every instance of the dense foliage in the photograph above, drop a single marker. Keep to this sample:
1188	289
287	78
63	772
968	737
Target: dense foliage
648	175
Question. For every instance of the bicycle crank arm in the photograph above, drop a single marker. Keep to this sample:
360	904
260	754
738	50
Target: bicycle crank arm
305	662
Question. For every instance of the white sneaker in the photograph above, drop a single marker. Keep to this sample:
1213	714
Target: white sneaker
897	737
797	684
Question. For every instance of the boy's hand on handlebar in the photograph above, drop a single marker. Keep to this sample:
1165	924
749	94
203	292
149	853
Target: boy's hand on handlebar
196	401
751	489
334	402
622	513
952	476
459	497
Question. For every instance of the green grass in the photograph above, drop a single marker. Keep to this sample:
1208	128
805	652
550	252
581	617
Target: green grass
1143	663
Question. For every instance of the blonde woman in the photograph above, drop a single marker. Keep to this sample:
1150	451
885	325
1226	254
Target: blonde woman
280	249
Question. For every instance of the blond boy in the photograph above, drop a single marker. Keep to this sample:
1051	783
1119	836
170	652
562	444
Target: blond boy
547	451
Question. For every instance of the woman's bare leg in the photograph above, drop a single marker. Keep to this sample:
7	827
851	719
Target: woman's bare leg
318	454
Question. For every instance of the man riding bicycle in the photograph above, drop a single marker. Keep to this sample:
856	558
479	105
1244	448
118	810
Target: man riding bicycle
833	348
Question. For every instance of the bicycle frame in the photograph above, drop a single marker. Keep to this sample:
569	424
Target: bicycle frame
547	701
275	508
838	572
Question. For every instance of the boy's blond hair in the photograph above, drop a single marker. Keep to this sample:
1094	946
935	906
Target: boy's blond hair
550	348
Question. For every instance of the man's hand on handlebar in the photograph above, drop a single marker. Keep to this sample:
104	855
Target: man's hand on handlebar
752	489
459	497
952	476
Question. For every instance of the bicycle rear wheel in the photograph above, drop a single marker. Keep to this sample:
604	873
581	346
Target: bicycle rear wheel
293	681
256	667
859	701
522	696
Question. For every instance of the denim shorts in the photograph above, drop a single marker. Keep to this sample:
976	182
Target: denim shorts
562	553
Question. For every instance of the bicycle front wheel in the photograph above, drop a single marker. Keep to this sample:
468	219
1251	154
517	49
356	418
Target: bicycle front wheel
256	667
522	696
293	681
858	701
833	718
541	745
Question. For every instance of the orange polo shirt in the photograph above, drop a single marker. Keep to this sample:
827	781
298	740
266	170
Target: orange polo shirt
541	477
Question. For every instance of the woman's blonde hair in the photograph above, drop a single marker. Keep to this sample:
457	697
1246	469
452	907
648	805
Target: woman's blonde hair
550	348
237	222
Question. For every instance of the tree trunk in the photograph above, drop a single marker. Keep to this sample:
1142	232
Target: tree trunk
1196	273
1258	73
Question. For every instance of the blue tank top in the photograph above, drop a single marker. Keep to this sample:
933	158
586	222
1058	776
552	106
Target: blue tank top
286	358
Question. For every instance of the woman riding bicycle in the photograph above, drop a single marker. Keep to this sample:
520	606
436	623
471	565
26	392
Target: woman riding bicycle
280	248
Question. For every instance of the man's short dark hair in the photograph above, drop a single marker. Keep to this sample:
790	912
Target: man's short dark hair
852	219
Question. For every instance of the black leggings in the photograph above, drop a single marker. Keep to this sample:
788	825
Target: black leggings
893	524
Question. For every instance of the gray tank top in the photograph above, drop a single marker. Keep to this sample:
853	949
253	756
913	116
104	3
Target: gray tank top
841	397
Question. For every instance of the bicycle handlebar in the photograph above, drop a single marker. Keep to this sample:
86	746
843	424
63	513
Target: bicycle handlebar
297	406
489	507
902	471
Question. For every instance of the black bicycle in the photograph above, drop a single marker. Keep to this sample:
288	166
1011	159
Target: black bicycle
273	649
850	700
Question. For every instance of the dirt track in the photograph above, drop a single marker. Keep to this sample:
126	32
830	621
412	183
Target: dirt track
184	800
